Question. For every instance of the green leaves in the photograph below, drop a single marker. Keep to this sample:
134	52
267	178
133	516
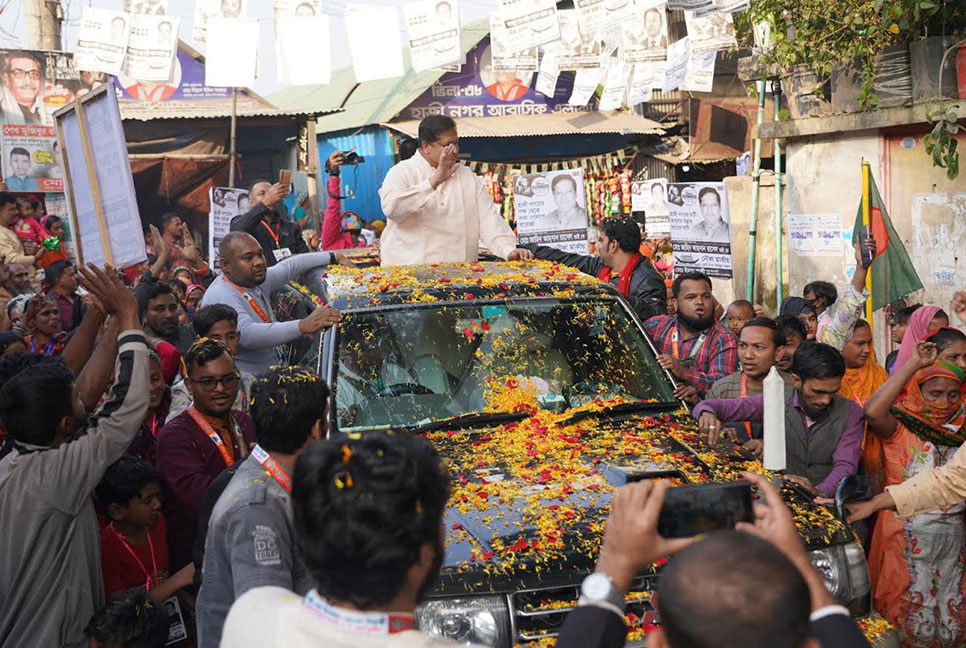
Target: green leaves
941	143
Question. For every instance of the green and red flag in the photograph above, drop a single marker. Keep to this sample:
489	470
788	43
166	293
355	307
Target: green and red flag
892	274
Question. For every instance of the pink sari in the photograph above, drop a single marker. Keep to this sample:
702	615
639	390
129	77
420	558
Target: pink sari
918	330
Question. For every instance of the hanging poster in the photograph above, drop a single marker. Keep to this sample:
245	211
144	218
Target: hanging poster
731	6
150	7
585	84
653	201
433	33
503	59
303	50
644	34
678	55
151	48
710	33
529	23
699	74
367	24
297	8
550	209
102	40
640	83
577	49
698	6
205	10
700	227
548	74
615	83
232	53
225	203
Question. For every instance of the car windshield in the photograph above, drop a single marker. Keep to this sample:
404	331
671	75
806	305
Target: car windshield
419	364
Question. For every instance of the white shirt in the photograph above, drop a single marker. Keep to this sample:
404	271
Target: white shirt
273	617
446	224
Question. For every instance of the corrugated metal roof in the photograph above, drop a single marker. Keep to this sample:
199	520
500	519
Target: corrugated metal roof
372	102
558	123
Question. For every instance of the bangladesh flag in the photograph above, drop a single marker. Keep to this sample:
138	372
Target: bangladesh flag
893	275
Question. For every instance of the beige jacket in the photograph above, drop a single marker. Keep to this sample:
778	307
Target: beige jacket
441	225
11	251
932	489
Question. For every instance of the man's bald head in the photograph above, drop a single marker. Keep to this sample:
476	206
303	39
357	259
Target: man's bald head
733	590
242	259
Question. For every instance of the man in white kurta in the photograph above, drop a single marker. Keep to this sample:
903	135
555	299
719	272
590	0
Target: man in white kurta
438	210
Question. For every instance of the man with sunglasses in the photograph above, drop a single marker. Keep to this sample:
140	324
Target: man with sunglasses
197	445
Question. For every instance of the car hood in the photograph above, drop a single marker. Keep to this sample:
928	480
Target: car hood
530	499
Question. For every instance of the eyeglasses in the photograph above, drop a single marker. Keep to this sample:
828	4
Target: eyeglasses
208	384
20	75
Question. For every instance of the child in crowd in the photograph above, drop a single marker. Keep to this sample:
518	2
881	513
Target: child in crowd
795	333
739	312
901	319
54	225
131	622
28	227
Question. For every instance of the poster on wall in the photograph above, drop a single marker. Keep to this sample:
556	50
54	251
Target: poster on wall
225	203
151	48
815	235
30	158
700	227
550	209
650	197
710	33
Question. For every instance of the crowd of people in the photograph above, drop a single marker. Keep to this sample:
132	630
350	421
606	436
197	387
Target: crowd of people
165	477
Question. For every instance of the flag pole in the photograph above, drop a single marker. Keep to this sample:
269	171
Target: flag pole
866	223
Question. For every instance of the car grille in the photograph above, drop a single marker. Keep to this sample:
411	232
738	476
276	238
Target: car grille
538	614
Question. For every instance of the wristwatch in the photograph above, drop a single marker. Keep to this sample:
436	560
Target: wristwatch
599	588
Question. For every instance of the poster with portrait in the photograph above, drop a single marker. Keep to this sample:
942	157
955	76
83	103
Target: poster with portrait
529	23
650	197
640	83
296	8
151	47
225	203
710	33
30	158
700	227
577	49
205	10
590	14
615	12
34	84
102	40
505	86
644	34
149	7
503	59
433	33
550	209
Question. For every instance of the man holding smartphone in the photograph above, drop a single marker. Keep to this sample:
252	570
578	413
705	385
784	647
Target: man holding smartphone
279	237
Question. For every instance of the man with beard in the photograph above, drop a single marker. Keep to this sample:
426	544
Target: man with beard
823	431
250	541
368	515
160	311
246	284
693	347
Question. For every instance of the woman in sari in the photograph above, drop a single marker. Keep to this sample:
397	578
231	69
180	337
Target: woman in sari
924	320
863	376
951	345
917	564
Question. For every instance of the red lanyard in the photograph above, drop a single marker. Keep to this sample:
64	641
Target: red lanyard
274	234
272	468
154	425
150	583
694	350
210	431
50	346
251	302
743	391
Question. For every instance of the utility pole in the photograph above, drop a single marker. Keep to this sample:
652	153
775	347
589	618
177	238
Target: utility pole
43	24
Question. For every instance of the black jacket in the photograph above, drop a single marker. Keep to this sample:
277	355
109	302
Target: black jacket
648	293
288	232
590	626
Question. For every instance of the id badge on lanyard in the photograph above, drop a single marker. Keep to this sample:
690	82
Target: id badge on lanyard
281	254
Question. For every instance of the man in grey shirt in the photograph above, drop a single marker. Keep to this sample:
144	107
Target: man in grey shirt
50	565
251	542
246	284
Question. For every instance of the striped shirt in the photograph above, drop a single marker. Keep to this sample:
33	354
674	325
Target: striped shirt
714	359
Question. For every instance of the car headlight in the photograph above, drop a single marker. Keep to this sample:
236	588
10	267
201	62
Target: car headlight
480	620
846	574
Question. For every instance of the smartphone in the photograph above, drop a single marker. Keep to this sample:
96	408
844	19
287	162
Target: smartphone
864	236
285	177
695	510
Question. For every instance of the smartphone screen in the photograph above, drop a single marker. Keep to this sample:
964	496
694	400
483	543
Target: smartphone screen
864	236
285	177
694	510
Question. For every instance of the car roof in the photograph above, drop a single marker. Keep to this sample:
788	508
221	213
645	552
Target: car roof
349	288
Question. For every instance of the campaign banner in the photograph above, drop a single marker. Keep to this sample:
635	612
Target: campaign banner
529	23
433	33
151	47
650	197
102	40
35	84
225	203
710	33
550	209
297	8
503	59
644	35
700	227
206	10
30	158
150	7
577	49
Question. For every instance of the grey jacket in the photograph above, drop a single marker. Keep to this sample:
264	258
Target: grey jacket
50	564
258	338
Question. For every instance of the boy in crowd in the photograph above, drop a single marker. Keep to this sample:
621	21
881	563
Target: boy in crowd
902	317
220	323
795	333
131	622
739	312
760	344
289	408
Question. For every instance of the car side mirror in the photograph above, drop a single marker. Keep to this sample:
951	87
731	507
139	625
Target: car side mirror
850	489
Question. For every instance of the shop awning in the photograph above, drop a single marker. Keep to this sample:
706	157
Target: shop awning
559	123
